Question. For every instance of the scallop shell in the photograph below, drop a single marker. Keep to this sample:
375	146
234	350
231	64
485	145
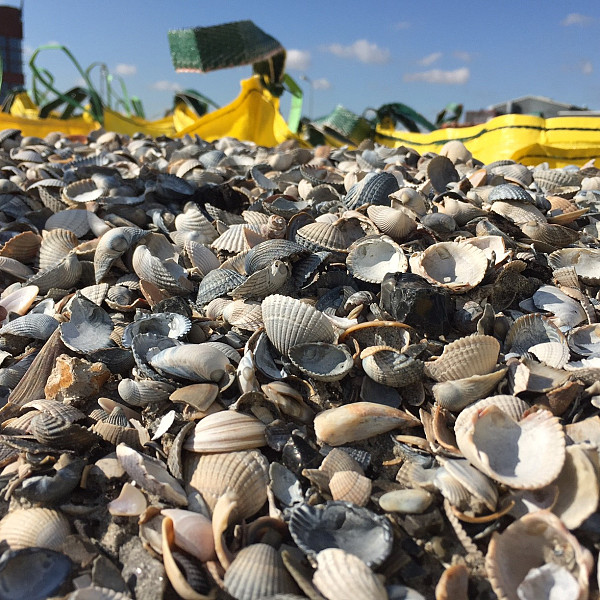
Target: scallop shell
263	254
226	431
371	258
510	192
395	222
81	191
553	235
289	322
552	179
140	393
454	395
263	282
201	257
321	236
233	240
530	330
192	219
350	486
526	452
518	213
391	367
245	473
342	525
34	528
373	188
322	361
457	266
341	575
243	314
258	572
584	260
534	541
218	282
165	274
22	246
63	275
194	362
33	325
471	355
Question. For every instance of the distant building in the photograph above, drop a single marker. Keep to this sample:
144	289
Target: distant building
11	40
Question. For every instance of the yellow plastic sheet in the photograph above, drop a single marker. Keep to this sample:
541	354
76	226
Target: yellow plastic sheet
527	139
114	121
253	116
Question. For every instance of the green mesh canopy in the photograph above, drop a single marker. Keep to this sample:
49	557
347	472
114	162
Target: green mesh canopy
346	124
220	46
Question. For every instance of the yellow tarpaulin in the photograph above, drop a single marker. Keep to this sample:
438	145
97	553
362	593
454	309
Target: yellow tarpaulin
114	121
527	139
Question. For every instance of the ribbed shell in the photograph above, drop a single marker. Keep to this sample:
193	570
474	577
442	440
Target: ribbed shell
322	361
530	330
140	393
374	188
193	220
194	362
74	220
350	486
112	245
263	254
258	572
34	528
243	314
56	245
457	394
23	246
33	325
342	576
289	322
89	327
62	276
234	240
518	213
245	473
509	191
263	282
553	179
554	235
218	282
392	221
321	236
165	274
515	172
390	367
472	355
584	260
201	257
372	257
15	268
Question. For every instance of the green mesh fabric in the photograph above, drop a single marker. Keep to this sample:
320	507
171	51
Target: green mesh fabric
345	123
229	45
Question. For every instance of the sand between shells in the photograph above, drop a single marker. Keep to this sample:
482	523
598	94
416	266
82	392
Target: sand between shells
231	371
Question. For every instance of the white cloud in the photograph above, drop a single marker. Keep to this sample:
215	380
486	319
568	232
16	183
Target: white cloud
125	69
165	86
577	19
456	77
402	25
321	84
464	56
27	51
361	50
430	59
298	60
586	67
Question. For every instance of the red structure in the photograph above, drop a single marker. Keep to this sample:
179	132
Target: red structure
11	39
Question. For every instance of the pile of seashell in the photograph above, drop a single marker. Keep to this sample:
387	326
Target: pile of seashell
231	371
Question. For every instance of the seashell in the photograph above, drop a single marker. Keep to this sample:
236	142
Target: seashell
201	257
538	540
461	212
391	367
342	525
34	528
371	258
289	322
339	460
322	361
408	501
226	431
454	395
258	572
350	486
233	240
95	293
567	312
584	340
524	453
263	254
192	219
379	333
165	274
165	324
130	502
553	354
195	362
75	220
374	188
20	300
33	325
471	355
263	282
553	235
81	191
112	245
395	222
551	179
341	575
441	172
244	473
453	583
457	266
89	327
584	260
530	330
321	236
509	192
56	245
493	246
151	475
218	282
358	421
577	484
59	432
456	151
243	314
22	246
141	393
288	400
193	533
63	275
116	429
517	212
36	569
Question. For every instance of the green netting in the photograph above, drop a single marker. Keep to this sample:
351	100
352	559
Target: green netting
344	123
220	46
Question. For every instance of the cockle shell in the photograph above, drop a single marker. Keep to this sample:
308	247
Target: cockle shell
526	452
372	257
456	394
195	362
112	245
321	236
395	222
263	282
218	282
140	393
350	486
457	266
471	355
340	576
33	325
289	322
56	244
533	541
165	274
584	260
359	421
530	330
391	367
34	528
23	246
322	361
63	275
553	235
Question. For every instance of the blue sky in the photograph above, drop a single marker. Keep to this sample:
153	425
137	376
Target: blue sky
356	53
